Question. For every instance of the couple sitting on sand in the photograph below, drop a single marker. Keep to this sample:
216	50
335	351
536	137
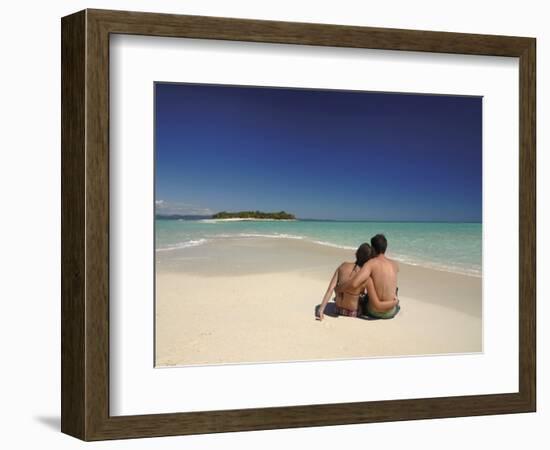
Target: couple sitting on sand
368	287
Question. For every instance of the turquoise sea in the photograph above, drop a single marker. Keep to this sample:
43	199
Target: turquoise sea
454	247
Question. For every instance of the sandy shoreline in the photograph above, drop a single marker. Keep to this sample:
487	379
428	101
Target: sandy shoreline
253	300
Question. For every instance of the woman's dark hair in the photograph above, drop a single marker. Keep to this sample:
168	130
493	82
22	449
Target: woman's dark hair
363	254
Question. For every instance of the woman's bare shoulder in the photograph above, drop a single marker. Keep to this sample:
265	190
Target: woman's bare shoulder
346	266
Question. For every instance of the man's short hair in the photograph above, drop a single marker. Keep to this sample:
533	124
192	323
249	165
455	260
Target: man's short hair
379	243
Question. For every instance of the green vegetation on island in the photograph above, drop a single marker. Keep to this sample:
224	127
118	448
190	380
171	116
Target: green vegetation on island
281	215
181	216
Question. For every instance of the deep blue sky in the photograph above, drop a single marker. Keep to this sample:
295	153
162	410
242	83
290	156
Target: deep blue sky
317	153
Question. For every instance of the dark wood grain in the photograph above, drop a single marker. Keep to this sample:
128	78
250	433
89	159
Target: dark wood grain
73	226
85	224
97	226
151	24
527	224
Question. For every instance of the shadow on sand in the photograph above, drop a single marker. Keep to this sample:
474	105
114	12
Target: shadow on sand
330	311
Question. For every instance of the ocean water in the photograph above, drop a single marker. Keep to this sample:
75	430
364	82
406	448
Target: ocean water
454	247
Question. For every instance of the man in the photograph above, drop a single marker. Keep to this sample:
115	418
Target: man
383	272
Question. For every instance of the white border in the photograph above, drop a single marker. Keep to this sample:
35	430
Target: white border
136	62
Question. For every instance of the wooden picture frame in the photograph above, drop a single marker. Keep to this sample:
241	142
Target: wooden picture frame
85	224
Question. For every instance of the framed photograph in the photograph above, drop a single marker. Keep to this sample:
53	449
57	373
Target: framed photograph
273	224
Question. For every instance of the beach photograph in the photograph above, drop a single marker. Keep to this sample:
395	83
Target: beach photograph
298	224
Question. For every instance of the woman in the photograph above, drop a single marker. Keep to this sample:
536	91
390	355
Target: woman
348	303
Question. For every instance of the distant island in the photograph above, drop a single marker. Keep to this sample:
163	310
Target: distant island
281	215
181	217
224	215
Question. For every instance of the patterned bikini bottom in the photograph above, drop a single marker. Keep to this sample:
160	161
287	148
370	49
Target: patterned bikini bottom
347	312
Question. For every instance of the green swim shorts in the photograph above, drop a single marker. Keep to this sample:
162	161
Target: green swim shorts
384	315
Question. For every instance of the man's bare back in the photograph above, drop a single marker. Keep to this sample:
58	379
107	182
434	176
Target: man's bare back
384	276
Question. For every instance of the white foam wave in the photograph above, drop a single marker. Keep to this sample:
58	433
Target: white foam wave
184	244
272	236
330	244
438	266
401	258
260	235
284	236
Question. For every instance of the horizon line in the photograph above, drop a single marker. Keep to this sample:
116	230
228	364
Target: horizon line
310	219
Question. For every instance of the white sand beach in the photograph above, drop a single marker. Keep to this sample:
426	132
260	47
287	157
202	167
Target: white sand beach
253	300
